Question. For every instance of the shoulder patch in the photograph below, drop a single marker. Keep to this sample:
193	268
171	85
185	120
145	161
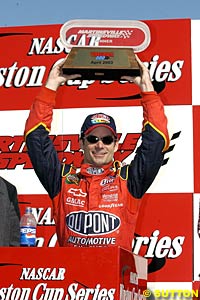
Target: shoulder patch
72	179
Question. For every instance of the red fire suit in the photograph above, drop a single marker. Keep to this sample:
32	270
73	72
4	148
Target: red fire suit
96	206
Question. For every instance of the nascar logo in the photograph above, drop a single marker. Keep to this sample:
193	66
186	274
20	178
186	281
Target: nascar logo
92	223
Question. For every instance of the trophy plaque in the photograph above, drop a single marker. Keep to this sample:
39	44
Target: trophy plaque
99	63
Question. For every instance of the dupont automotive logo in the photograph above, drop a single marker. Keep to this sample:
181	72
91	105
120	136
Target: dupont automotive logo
105	33
92	222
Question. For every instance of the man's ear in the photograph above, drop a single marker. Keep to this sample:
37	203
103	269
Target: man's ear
81	143
116	146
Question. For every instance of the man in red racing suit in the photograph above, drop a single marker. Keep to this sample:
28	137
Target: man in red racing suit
98	204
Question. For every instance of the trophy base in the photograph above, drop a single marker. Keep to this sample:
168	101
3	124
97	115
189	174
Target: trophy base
101	63
99	74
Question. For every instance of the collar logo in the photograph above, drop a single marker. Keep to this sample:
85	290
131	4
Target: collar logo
95	171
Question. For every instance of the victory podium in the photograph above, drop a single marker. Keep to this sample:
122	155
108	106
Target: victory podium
71	273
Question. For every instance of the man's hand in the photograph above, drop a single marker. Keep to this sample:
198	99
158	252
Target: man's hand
144	80
57	78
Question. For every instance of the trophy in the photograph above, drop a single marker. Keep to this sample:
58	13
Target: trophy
103	49
98	63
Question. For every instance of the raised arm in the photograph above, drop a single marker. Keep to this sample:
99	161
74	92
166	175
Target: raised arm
38	125
155	139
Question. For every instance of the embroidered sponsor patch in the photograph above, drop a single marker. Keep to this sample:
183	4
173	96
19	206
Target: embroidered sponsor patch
77	192
72	178
110	197
106	181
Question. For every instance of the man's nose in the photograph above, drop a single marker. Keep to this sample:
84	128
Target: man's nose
100	144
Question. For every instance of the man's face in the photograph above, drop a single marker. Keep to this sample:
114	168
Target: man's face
99	154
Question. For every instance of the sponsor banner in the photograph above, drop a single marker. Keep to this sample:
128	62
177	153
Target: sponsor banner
196	236
56	275
16	167
48	273
27	53
195	27
196	147
164	235
38	48
179	157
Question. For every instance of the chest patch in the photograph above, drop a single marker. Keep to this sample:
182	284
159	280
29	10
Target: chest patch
92	222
